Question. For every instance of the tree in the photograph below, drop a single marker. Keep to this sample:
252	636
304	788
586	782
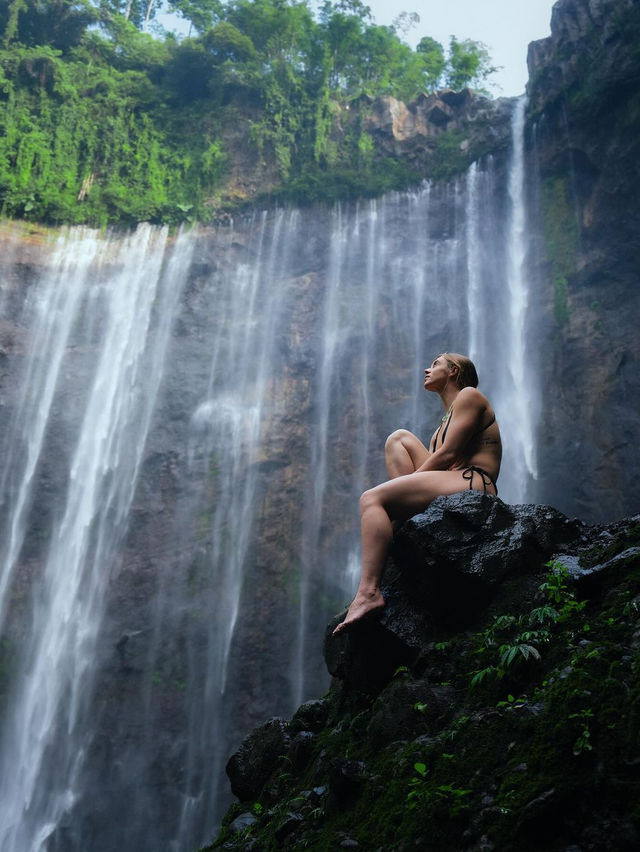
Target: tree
58	23
433	59
405	22
138	12
468	65
202	14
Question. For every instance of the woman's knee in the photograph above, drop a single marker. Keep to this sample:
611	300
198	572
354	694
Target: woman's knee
397	437
369	498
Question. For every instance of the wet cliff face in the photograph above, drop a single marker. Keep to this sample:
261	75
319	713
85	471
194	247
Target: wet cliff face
584	142
208	553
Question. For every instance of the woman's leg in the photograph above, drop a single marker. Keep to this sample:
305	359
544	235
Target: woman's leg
403	453
398	499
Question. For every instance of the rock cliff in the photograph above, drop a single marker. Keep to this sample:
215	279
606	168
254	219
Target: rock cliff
433	136
482	711
584	149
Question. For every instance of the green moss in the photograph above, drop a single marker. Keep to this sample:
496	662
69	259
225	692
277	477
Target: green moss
343	182
611	547
448	158
561	238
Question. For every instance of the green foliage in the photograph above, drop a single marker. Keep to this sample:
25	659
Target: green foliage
102	123
59	23
77	146
433	58
469	64
511	640
583	742
423	795
202	14
417	791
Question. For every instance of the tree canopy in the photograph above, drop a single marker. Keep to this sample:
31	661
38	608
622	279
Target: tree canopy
104	121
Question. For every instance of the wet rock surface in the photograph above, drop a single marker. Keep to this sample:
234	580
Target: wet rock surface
446	567
499	727
584	146
260	753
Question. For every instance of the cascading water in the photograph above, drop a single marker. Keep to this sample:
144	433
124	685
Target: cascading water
209	411
520	422
45	728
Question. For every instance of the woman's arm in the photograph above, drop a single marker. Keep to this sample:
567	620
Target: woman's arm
466	415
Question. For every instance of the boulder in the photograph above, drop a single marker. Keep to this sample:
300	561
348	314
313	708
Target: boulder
260	753
467	552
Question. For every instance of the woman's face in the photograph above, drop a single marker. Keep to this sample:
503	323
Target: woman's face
438	374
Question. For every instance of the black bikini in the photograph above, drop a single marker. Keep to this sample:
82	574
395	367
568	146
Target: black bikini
468	472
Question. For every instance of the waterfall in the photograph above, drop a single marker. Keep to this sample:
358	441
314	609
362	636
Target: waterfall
184	449
520	423
44	736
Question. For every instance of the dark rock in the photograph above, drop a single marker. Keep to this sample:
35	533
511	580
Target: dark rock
610	833
445	568
583	145
250	767
310	716
366	656
394	714
455	557
133	650
606	572
410	130
457	553
516	778
346	779
288	825
241	822
301	749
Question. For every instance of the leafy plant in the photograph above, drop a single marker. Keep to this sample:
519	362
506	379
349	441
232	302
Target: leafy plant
511	701
583	742
417	792
420	793
514	639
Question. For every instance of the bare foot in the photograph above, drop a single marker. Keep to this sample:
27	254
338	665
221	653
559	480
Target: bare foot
361	606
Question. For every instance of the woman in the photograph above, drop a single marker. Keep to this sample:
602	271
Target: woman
464	452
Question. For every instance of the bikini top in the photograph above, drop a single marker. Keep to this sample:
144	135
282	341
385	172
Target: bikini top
444	434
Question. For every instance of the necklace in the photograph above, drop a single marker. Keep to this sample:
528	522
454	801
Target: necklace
447	413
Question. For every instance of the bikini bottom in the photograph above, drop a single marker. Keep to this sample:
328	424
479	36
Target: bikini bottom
487	479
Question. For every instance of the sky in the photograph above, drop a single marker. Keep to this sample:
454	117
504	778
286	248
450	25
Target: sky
505	26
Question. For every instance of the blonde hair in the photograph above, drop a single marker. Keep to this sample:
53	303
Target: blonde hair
467	375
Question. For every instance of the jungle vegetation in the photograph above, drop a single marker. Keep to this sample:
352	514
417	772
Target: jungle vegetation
107	118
